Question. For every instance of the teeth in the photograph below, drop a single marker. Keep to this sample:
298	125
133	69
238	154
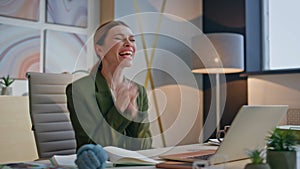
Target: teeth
126	53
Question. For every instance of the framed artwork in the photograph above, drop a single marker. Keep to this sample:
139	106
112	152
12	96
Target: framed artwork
67	12
23	9
64	52
19	51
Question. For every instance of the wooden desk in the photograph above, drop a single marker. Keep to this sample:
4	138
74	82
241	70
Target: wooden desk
186	148
153	153
193	147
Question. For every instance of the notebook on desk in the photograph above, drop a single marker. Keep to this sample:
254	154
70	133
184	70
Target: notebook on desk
248	131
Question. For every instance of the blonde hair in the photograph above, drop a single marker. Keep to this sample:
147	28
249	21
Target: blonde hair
103	29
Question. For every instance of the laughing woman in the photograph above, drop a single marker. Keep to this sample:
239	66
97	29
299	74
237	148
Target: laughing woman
105	107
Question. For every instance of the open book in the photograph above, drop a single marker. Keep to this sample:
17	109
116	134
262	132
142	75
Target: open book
117	156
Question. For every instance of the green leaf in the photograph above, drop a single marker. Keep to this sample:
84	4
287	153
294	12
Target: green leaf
282	140
6	81
257	156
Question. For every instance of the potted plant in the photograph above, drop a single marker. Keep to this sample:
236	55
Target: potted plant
281	151
6	81
257	160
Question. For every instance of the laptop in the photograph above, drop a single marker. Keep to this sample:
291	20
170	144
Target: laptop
248	131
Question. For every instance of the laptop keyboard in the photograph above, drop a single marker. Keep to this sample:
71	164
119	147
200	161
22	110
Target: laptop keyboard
201	157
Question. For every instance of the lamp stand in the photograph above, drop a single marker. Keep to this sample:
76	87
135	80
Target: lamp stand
217	75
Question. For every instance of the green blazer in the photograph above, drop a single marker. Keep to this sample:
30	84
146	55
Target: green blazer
96	120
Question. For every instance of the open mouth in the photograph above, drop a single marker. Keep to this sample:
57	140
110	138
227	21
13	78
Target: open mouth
126	54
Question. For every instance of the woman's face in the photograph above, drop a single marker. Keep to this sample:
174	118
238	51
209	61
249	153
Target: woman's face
119	47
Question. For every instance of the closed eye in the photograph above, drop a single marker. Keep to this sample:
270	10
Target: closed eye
118	38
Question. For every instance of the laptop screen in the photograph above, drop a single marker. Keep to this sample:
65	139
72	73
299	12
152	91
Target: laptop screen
249	130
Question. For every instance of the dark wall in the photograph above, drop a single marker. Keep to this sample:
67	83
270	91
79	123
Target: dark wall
225	16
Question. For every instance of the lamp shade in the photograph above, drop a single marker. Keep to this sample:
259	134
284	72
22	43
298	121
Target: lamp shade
218	53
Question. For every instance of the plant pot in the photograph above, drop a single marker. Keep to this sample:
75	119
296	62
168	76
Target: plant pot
6	91
258	166
282	159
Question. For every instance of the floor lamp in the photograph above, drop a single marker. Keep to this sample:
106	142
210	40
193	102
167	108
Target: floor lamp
218	54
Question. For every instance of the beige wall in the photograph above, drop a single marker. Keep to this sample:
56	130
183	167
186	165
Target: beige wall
180	113
277	89
274	89
16	138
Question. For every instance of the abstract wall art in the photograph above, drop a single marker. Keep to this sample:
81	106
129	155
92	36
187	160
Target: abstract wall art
67	12
19	51
64	52
23	9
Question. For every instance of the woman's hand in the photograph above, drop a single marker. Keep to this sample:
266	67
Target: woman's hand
126	94
132	107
